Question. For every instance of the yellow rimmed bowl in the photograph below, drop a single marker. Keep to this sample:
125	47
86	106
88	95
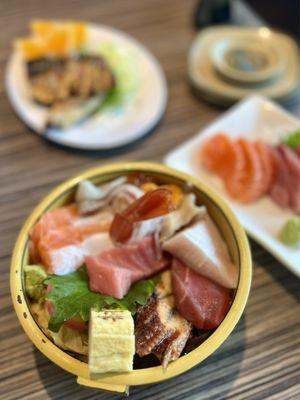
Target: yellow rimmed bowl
230	228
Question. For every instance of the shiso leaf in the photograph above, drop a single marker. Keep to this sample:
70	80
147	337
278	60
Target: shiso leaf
72	297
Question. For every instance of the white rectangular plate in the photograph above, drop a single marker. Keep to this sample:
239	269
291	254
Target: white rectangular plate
253	118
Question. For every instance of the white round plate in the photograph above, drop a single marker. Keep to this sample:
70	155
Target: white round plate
109	128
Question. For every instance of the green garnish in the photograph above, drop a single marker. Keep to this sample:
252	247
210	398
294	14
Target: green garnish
123	65
34	276
72	297
290	233
292	139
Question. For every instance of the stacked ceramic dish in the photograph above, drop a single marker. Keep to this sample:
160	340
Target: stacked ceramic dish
227	63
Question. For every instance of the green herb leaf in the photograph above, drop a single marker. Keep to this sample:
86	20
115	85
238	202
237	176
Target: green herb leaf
292	139
72	297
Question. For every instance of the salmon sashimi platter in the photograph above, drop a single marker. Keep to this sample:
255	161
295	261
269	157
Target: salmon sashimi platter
251	169
251	156
133	273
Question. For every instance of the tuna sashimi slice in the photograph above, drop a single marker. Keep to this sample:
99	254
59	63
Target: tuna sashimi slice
280	188
110	280
293	163
202	248
201	301
112	272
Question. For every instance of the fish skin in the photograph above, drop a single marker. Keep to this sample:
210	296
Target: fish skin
159	328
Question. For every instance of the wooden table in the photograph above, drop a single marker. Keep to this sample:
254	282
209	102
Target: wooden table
260	359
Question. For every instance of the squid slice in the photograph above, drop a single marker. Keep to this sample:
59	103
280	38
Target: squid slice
117	194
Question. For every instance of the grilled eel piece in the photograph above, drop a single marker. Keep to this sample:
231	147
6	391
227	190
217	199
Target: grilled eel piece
159	328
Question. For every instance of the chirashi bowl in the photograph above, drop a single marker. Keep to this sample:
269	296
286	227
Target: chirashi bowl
230	228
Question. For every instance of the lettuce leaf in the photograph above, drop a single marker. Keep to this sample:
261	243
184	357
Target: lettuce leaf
72	297
123	63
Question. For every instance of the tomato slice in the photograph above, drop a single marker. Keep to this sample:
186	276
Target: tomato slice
76	323
152	204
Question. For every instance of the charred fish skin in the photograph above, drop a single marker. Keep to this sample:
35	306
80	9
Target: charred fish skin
149	331
57	80
159	328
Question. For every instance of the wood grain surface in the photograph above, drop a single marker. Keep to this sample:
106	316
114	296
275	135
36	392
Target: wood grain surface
260	360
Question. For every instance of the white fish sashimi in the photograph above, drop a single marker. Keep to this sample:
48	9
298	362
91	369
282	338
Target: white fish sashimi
97	243
69	258
202	248
175	220
66	259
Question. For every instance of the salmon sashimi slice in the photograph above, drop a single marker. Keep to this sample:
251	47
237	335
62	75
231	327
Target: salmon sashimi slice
44	230
203	303
221	155
57	238
248	185
112	272
265	154
60	217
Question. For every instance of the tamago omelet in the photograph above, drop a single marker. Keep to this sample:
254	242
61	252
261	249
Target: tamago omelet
111	341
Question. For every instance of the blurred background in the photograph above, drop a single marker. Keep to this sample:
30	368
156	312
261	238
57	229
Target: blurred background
259	360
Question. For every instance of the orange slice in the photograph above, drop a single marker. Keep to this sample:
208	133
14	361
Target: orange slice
42	28
32	48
